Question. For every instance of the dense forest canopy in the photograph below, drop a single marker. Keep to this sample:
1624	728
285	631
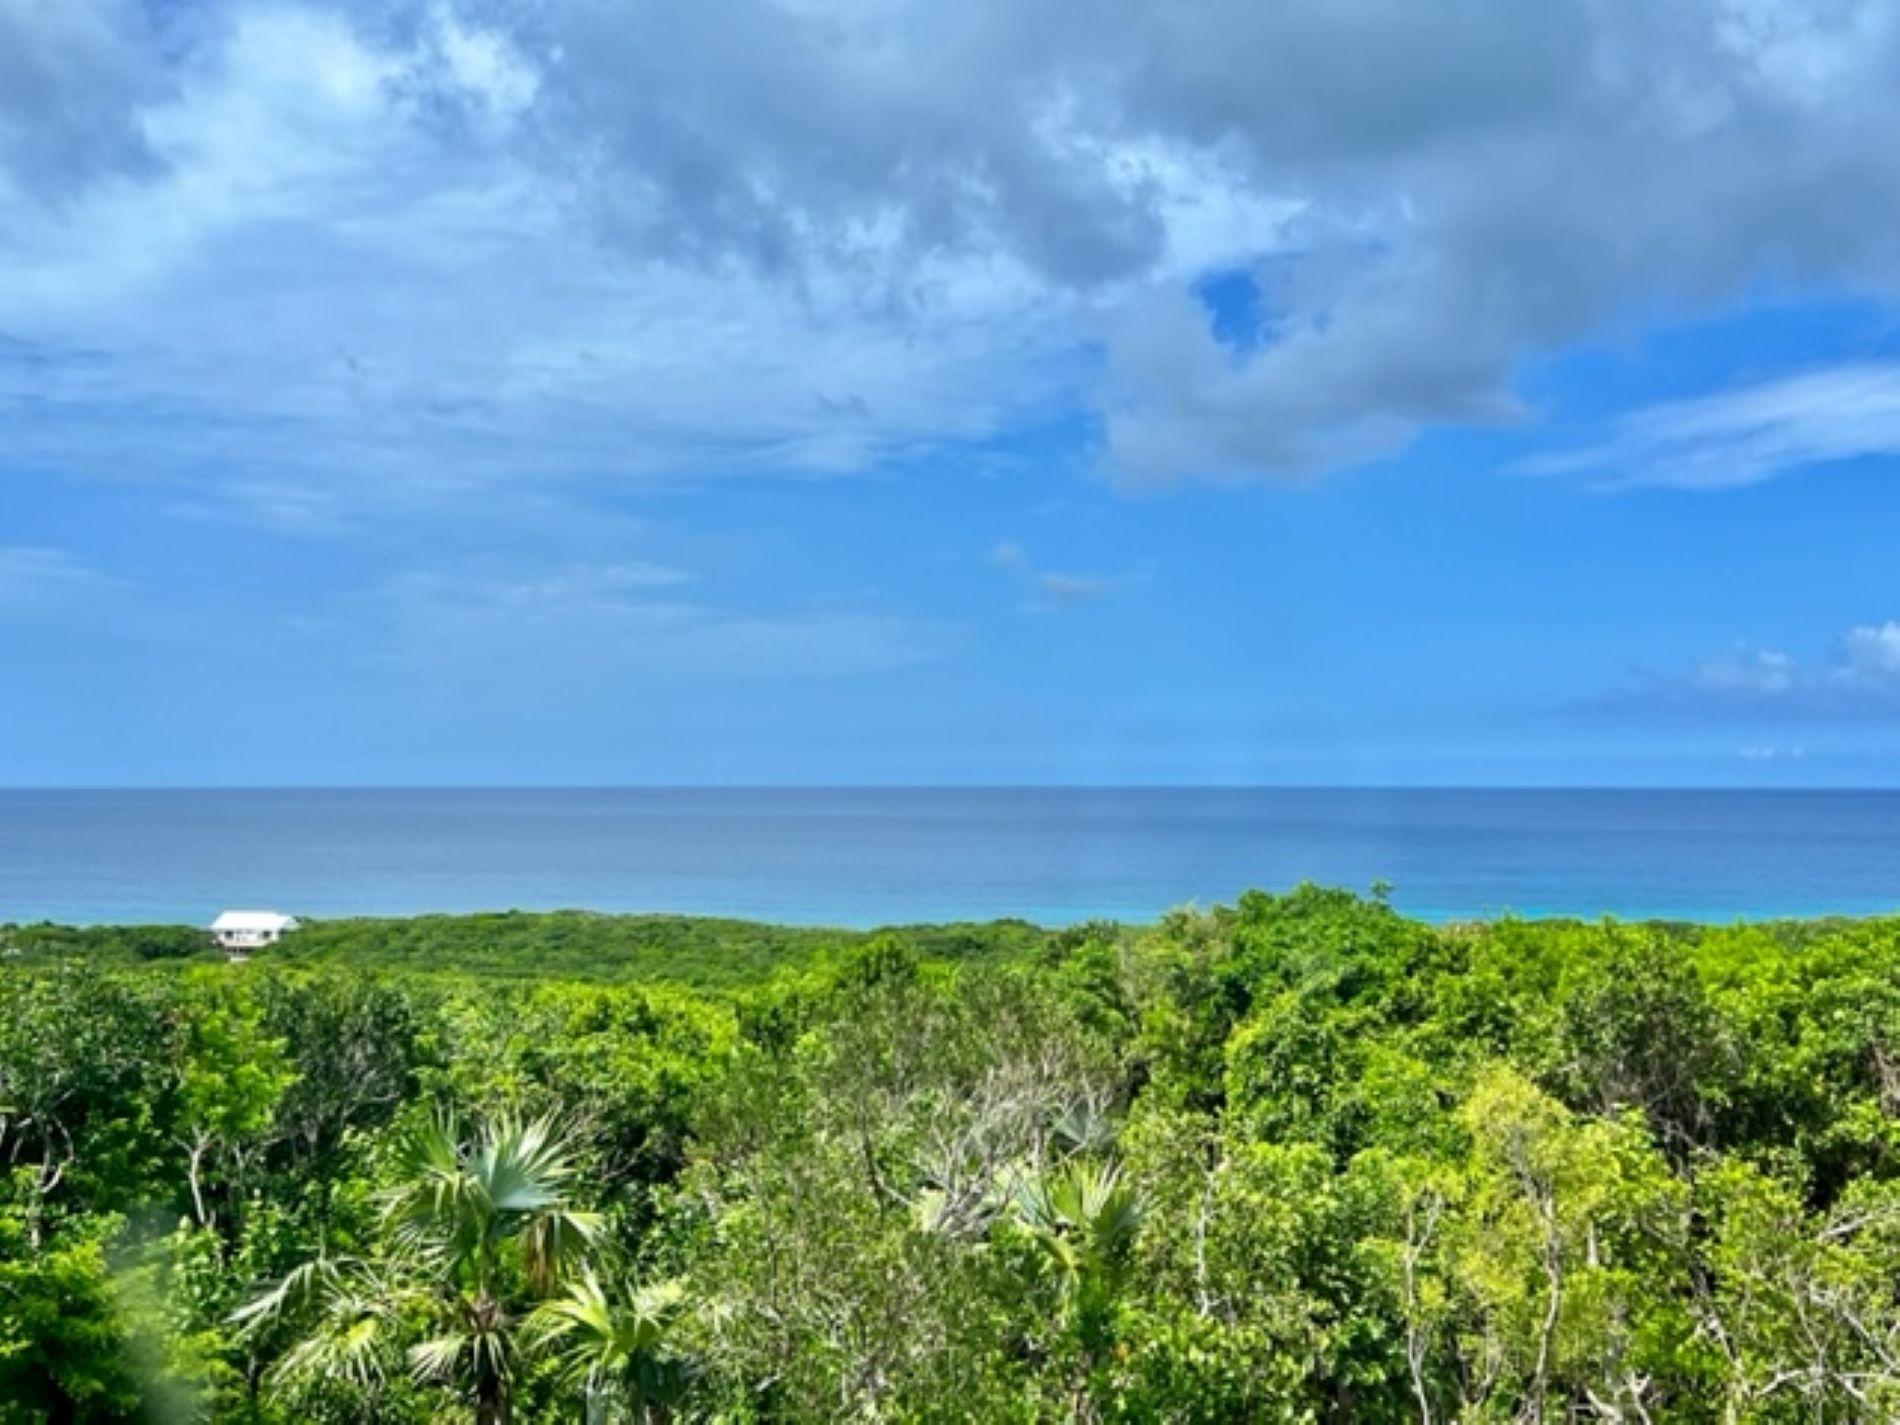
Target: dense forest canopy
571	945
1299	1159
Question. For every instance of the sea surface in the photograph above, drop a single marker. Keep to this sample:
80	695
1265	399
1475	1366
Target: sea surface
866	857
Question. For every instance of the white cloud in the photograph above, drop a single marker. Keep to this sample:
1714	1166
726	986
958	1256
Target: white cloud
1748	435
332	294
1859	676
1871	654
1748	670
1771	752
444	244
482	63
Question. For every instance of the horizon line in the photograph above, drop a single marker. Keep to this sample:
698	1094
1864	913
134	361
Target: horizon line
1358	787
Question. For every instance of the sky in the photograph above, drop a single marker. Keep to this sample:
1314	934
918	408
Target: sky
1008	391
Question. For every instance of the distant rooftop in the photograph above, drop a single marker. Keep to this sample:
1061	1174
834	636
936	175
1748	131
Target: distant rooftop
254	920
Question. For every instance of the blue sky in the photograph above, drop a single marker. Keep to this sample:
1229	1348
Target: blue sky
836	391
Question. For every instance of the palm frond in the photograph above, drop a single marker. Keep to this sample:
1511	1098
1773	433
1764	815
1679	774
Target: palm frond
601	1336
299	1287
353	1341
438	1360
524	1164
440	1202
1081	1217
465	1224
582	1310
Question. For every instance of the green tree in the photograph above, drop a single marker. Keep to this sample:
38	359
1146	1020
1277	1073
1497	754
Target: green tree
1638	1031
1561	1253
1800	1305
475	1233
231	1076
82	1059
63	1347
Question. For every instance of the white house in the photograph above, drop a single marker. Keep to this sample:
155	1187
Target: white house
241	930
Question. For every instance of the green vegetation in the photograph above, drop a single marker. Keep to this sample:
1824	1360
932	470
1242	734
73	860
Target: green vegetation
571	945
1300	1159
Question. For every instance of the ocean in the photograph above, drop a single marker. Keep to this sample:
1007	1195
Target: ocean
866	857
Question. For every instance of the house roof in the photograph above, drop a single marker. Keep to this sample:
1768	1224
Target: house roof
254	920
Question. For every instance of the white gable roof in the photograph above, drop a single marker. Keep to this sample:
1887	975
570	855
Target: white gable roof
239	920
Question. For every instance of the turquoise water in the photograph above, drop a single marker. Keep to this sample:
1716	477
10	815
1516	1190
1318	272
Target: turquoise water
861	857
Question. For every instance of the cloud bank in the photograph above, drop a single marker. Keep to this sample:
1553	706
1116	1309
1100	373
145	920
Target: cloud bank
431	247
1858	677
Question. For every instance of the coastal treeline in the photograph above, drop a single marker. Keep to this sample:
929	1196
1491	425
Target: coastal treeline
1298	1159
698	951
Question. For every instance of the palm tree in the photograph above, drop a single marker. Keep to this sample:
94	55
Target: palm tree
351	1340
614	1345
474	1232
1083	1223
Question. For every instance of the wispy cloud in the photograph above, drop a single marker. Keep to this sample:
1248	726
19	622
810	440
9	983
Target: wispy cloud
1748	435
610	624
1050	588
32	578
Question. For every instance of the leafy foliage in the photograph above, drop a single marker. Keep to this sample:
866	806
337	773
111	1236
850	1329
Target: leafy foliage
1296	1159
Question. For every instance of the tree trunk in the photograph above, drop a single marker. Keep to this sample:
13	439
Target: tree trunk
494	1405
194	1173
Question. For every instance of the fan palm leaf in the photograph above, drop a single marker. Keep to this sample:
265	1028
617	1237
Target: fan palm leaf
615	1343
467	1225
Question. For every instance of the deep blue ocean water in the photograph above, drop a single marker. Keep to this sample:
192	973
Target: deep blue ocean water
862	857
